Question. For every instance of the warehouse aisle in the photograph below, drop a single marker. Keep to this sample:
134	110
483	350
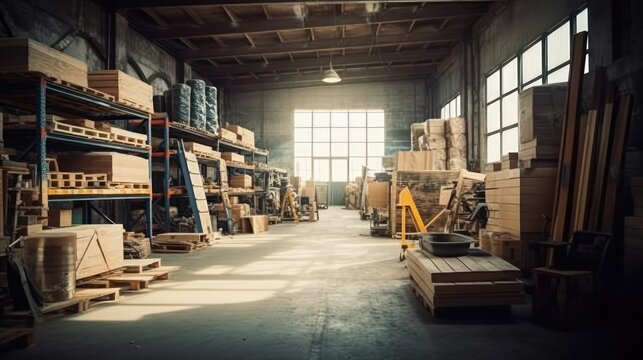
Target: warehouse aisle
323	290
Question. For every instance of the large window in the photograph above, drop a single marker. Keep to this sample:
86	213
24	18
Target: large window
544	61
451	109
334	145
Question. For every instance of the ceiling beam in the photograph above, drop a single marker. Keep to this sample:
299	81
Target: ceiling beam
321	44
237	26
315	78
287	65
125	4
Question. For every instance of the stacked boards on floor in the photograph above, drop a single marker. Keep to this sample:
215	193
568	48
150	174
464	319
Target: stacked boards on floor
463	281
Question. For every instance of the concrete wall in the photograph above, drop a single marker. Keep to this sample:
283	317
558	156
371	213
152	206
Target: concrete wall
270	112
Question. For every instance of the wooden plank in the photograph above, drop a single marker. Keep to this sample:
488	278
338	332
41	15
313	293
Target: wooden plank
567	162
583	198
138	265
617	156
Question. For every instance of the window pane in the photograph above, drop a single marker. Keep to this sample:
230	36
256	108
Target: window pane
339	149
355	167
452	108
376	149
493	148
558	43
510	76
357	134
321	149
303	149
374	163
339	134
458	108
535	83
303	119
444	112
493	117
510	109
493	86
532	62
376	134
560	75
510	141
321	169
581	21
339	119
357	119
303	134
357	149
303	168
376	118
340	170
321	119
321	134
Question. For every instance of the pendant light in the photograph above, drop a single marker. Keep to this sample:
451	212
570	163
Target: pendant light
330	75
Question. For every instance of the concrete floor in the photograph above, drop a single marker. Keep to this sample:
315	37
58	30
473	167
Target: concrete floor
324	290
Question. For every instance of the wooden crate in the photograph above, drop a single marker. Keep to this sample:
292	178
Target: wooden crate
228	135
241	181
425	187
230	156
123	87
254	224
22	54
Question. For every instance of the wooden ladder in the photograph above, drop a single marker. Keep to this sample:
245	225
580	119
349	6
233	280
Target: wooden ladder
227	206
194	187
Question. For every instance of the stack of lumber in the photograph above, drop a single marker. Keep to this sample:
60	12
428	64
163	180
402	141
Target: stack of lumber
243	135
351	194
180	242
99	248
434	140
633	233
417	160
509	161
202	151
241	181
443	282
517	200
425	187
119	168
30	55
136	245
456	135
125	88
542	110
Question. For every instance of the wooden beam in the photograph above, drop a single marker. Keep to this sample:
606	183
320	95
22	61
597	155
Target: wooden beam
400	14
130	4
249	39
285	65
193	15
321	44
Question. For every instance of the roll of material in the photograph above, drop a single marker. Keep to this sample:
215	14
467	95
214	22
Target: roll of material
211	110
180	104
197	103
50	259
159	103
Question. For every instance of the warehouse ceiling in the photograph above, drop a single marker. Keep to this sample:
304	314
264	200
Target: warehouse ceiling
268	44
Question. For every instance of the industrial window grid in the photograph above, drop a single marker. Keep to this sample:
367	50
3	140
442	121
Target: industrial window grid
453	108
333	145
543	61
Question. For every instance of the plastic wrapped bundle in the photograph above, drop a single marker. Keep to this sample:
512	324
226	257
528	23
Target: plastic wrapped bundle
417	130
159	103
211	111
197	103
180	104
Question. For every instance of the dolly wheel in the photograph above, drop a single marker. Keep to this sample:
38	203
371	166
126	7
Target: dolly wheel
402	255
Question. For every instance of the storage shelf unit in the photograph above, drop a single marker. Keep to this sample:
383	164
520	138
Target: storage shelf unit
35	93
167	130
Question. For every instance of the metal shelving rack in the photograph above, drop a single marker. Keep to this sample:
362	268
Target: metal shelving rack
167	130
35	93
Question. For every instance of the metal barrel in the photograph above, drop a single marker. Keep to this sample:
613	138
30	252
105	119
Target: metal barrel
50	260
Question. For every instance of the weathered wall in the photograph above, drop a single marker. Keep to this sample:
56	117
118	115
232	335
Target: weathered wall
270	112
80	28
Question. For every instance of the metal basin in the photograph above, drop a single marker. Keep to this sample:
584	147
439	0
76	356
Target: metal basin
446	244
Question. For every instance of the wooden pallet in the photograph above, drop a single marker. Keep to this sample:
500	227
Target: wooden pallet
88	191
103	184
95	177
274	220
139	281
80	131
16	337
81	301
139	265
176	247
205	155
129	138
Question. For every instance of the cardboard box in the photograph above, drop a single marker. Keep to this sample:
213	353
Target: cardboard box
238	211
254	224
230	156
309	190
508	249
118	167
59	217
241	181
243	135
22	55
228	135
414	160
123	87
378	195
